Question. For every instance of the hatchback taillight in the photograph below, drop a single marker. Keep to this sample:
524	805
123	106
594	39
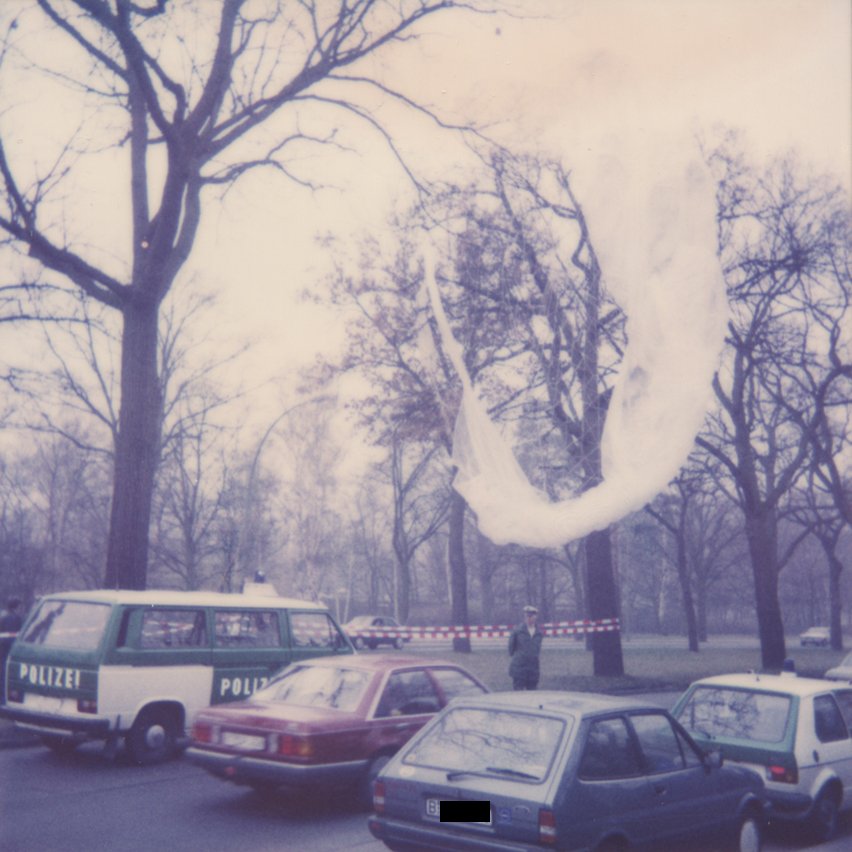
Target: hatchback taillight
783	774
379	797
546	827
15	695
87	705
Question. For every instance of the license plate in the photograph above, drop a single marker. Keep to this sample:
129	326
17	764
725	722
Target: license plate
246	742
433	811
45	703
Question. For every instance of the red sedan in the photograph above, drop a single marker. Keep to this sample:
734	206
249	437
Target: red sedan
329	721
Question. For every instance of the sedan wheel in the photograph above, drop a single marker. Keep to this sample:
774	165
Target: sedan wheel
398	643
377	764
359	643
749	837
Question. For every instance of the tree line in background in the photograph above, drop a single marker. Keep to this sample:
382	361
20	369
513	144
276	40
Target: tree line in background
754	522
134	464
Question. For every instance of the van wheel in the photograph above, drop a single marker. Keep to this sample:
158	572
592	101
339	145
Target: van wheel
823	821
60	745
749	835
153	737
377	764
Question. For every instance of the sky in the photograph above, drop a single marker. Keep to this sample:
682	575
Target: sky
579	80
582	80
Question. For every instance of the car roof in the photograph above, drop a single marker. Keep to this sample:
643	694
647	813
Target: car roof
381	662
562	703
168	597
789	684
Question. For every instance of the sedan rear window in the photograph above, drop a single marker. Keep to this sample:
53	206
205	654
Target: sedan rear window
499	743
68	624
330	688
713	711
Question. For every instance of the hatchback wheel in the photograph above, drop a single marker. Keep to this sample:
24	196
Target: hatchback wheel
823	821
749	835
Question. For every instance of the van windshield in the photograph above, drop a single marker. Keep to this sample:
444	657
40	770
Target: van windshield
76	625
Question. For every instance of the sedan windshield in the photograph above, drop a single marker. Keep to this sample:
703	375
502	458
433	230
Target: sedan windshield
331	688
500	743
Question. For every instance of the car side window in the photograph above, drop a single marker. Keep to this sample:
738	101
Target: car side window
173	628
408	694
658	742
454	683
609	752
828	721
246	629
691	755
314	630
844	699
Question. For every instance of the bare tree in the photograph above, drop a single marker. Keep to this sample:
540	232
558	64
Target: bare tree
191	93
776	234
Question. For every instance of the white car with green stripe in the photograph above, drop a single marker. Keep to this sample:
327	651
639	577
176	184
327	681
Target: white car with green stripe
138	664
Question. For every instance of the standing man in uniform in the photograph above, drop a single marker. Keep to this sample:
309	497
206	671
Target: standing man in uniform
524	649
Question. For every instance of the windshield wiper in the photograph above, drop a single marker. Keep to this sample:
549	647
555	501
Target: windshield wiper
491	770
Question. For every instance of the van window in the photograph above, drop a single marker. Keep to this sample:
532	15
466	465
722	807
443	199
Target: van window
246	629
173	628
314	630
68	624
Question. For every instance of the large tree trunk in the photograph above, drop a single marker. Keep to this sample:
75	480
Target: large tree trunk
602	597
760	531
458	570
835	596
137	449
686	591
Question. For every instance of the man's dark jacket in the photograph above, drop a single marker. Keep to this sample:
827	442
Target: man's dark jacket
524	651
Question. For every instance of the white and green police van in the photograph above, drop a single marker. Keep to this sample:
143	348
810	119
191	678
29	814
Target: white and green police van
139	664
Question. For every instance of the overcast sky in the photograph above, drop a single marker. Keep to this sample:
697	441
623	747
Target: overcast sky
579	79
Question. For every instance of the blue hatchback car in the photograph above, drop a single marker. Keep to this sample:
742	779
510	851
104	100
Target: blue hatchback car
532	770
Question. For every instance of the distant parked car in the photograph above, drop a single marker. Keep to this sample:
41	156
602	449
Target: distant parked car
370	623
524	770
325	725
819	636
795	731
843	671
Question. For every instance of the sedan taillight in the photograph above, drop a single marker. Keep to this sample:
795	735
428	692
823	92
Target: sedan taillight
290	745
202	732
546	827
379	797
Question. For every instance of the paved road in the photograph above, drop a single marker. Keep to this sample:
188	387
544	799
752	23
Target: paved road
82	802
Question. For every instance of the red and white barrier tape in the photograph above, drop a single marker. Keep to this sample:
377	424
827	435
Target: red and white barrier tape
483	631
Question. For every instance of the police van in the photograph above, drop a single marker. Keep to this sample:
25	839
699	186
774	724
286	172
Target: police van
139	664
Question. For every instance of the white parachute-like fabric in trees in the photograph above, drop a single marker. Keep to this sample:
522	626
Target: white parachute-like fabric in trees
656	241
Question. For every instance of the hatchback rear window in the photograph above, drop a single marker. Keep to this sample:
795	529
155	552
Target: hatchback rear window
74	625
742	714
502	743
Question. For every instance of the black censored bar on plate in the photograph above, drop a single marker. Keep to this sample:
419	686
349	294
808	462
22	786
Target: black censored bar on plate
466	811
